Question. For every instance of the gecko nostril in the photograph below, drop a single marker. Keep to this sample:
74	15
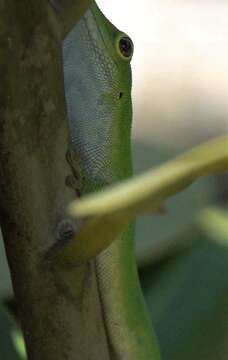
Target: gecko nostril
120	95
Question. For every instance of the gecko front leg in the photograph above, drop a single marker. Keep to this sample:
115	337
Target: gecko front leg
75	179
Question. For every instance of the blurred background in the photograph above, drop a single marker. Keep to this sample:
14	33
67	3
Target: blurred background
180	98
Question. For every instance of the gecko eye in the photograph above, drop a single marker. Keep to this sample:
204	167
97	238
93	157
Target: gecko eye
125	47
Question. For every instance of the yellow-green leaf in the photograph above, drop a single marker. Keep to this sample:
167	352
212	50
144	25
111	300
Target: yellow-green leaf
108	212
155	186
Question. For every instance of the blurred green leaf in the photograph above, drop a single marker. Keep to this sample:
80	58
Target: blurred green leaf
187	292
8	350
19	344
5	281
214	221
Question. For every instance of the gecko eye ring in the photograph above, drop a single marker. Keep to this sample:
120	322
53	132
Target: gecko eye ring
125	47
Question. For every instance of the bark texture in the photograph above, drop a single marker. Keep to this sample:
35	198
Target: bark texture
33	194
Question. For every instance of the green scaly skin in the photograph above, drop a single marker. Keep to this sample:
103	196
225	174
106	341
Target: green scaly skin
98	92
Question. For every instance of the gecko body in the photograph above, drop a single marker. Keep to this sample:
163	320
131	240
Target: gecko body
97	78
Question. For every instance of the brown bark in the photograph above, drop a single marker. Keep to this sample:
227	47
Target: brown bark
69	12
33	194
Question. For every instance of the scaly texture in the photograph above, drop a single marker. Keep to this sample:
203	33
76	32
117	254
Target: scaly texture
97	80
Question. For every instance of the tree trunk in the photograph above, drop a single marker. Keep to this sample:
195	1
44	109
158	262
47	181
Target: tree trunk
33	194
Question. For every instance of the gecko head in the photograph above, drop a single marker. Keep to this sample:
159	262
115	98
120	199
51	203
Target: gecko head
97	77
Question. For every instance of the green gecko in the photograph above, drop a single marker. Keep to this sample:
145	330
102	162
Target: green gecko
97	78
